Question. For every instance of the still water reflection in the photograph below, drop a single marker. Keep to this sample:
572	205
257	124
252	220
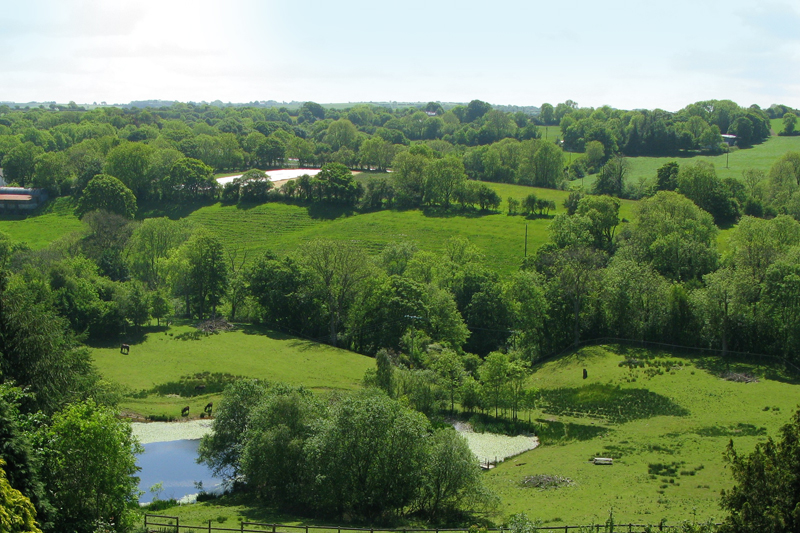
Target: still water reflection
173	465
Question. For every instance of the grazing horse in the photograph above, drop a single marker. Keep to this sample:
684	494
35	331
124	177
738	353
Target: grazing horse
185	411
125	349
209	407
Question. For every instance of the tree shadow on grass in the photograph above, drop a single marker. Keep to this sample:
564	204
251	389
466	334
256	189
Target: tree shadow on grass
326	211
173	210
454	212
132	336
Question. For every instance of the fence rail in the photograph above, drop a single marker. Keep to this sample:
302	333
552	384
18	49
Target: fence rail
171	524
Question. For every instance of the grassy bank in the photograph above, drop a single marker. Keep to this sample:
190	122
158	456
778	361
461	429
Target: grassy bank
162	356
665	419
666	466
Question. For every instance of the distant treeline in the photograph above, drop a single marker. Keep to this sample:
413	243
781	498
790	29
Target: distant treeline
62	148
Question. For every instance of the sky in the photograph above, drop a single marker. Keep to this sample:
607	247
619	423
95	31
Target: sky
628	54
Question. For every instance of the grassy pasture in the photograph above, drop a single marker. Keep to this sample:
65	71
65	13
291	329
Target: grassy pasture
163	355
666	426
284	227
760	156
55	220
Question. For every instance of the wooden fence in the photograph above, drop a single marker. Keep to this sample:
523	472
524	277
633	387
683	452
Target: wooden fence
154	523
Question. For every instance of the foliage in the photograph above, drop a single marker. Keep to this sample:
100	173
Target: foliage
765	496
17	514
89	467
107	193
361	455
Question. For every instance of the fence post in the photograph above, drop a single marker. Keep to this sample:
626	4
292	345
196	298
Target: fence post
209	525
177	524
241	526
145	521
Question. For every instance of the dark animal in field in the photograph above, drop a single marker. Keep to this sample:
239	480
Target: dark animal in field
585	374
209	407
199	387
185	411
125	349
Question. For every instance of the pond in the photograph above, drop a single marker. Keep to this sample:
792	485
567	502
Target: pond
173	465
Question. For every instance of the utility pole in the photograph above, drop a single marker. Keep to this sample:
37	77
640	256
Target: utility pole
526	240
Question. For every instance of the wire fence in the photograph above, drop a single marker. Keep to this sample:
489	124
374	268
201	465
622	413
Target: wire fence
154	523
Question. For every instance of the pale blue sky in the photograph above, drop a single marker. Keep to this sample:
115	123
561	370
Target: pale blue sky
627	54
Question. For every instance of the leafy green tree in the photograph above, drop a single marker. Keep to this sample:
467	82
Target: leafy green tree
675	235
611	180
339	268
342	133
254	186
699	183
442	179
495	377
151	244
409	178
222	449
108	194
17	514
18	454
595	156
603	211
274	459
160	306
667	176
476	109
189	178
632	299
136	304
789	124
19	164
206	275
782	296
452	478
765	497
90	467
528	307
368	457
129	162
51	172
547	114
37	350
284	290
449	366
542	164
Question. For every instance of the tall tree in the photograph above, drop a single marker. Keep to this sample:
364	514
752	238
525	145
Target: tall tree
108	194
765	498
90	468
339	268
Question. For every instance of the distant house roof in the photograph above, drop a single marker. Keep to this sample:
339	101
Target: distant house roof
16	197
728	136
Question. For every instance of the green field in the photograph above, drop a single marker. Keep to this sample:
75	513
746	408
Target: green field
284	227
54	221
164	355
731	165
666	466
717	411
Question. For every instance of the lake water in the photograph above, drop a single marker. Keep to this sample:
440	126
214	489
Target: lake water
173	465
